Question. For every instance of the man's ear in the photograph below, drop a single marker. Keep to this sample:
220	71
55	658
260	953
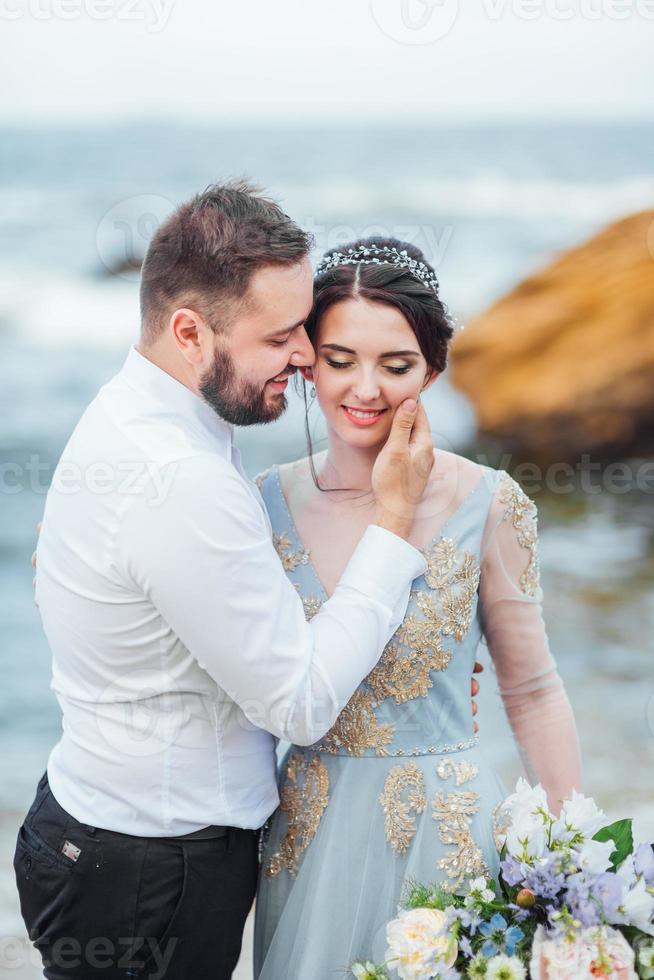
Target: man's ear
307	373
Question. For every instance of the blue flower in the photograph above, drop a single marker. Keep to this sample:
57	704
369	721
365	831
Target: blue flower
500	937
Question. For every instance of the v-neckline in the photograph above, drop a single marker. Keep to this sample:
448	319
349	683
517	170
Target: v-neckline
423	551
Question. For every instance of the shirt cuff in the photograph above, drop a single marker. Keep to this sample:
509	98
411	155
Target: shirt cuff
383	565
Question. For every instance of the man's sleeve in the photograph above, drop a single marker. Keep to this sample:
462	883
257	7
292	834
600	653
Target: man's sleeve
204	557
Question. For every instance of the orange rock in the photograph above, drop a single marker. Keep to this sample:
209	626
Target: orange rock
564	363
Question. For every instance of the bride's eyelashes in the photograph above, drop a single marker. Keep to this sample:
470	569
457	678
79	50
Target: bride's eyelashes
345	364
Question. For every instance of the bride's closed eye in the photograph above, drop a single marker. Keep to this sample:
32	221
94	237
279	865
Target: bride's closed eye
345	364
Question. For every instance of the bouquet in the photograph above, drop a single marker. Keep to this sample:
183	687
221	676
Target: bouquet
574	899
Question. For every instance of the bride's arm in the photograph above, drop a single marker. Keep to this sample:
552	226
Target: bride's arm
512	620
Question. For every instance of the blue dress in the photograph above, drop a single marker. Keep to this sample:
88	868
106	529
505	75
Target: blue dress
399	788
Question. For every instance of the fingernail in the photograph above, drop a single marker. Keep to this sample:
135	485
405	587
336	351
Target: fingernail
411	405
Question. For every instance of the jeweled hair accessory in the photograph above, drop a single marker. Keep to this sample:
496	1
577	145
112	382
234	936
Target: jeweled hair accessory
380	255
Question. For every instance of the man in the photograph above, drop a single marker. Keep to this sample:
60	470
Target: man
180	648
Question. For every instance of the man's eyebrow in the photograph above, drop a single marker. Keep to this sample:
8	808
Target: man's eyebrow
389	353
283	330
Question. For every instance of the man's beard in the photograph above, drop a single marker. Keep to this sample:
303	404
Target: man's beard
238	402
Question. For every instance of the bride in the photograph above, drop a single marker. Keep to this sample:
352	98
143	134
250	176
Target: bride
399	788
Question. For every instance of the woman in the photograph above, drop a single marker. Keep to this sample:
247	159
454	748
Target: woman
399	789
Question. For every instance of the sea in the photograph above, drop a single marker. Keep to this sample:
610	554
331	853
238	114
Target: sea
487	203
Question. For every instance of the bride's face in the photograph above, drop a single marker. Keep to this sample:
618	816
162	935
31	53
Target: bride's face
368	361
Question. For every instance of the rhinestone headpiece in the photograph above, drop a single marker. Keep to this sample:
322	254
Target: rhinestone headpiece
379	255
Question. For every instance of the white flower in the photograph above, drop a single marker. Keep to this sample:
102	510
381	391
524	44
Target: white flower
637	908
646	962
579	815
594	856
526	838
627	871
478	891
503	967
416	944
527	800
577	959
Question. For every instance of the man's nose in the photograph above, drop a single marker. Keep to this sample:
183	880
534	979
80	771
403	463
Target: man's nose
303	354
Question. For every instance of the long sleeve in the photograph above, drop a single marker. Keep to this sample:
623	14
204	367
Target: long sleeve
205	558
531	688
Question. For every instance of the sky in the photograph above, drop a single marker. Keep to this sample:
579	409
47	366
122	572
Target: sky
325	60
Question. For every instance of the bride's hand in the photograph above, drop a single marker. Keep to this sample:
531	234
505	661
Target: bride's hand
402	468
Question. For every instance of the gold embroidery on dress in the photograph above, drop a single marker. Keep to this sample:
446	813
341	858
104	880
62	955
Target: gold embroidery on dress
501	824
304	805
357	729
523	513
463	770
290	559
453	812
399	823
405	677
311	605
448	613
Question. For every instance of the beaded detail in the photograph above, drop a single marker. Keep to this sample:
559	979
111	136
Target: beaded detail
524	514
290	559
357	729
399	823
462	770
453	813
304	796
467	743
501	824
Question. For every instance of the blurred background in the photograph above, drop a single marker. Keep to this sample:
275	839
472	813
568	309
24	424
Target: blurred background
512	141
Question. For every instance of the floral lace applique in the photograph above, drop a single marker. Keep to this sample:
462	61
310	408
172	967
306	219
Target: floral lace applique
523	513
463	770
453	813
311	605
501	823
357	729
303	799
399	823
290	559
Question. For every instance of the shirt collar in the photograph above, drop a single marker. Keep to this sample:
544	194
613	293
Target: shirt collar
142	374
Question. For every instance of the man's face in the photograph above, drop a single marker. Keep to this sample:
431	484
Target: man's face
262	347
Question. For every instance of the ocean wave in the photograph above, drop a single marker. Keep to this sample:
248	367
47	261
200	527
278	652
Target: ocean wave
55	311
484	195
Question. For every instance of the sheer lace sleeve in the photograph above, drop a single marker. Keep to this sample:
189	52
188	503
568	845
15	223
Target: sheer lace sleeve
531	688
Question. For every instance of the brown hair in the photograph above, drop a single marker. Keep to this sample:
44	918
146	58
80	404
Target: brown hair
206	252
385	283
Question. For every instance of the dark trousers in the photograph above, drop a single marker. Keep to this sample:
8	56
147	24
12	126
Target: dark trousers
102	904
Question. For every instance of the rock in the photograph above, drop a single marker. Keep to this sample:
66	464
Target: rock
563	364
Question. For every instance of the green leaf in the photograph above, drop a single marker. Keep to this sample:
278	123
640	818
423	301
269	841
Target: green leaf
621	834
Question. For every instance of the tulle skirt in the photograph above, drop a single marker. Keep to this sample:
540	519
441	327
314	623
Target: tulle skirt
349	837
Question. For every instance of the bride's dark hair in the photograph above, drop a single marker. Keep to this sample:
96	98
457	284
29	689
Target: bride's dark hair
425	312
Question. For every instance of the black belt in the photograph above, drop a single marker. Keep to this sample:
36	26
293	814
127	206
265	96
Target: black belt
206	833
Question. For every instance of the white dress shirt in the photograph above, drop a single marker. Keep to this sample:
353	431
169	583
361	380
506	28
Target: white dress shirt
180	649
